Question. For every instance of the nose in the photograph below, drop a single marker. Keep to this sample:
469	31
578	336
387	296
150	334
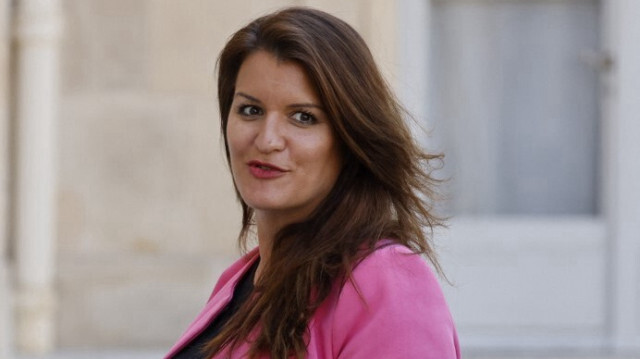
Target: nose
270	137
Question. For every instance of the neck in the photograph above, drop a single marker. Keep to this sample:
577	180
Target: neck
268	224
264	247
267	227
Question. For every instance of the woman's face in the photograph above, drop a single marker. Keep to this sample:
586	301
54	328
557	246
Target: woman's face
284	156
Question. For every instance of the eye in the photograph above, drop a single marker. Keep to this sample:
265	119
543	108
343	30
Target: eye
250	110
304	118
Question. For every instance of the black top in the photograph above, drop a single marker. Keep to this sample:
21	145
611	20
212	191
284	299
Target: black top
193	350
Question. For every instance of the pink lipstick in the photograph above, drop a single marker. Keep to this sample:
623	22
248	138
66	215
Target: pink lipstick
264	170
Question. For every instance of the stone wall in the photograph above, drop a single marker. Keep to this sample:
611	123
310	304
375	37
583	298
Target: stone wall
4	178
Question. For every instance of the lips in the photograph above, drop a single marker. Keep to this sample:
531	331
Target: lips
263	170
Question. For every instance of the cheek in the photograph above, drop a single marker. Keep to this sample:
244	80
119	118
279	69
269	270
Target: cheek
235	145
235	139
329	156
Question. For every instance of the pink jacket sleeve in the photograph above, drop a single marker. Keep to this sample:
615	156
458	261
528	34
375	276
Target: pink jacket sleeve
395	310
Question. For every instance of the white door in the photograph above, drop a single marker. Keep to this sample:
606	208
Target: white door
515	103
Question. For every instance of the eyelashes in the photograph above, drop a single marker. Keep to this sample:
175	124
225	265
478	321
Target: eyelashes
304	117
249	110
301	117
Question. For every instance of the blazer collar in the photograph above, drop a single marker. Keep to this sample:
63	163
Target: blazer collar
217	301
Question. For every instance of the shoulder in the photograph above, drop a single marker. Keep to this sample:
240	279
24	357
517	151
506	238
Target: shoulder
395	276
393	303
390	262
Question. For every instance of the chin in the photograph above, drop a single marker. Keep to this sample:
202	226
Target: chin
265	205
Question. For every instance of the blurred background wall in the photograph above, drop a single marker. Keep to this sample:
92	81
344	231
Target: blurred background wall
534	102
5	296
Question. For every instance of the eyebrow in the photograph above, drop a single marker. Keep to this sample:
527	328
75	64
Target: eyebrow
293	105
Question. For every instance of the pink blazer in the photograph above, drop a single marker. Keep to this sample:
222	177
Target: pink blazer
401	314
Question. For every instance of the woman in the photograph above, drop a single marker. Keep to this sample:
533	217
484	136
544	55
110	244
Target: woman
328	174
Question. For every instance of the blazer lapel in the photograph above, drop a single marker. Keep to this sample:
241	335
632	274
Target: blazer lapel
214	306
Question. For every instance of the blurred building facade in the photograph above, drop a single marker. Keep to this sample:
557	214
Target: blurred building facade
4	176
144	210
117	212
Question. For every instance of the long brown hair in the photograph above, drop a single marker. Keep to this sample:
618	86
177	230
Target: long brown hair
383	191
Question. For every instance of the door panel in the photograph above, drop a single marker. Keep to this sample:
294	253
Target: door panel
514	104
517	103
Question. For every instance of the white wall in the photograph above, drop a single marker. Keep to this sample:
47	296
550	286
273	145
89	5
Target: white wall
622	114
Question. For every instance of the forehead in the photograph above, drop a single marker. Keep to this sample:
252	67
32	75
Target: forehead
262	73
